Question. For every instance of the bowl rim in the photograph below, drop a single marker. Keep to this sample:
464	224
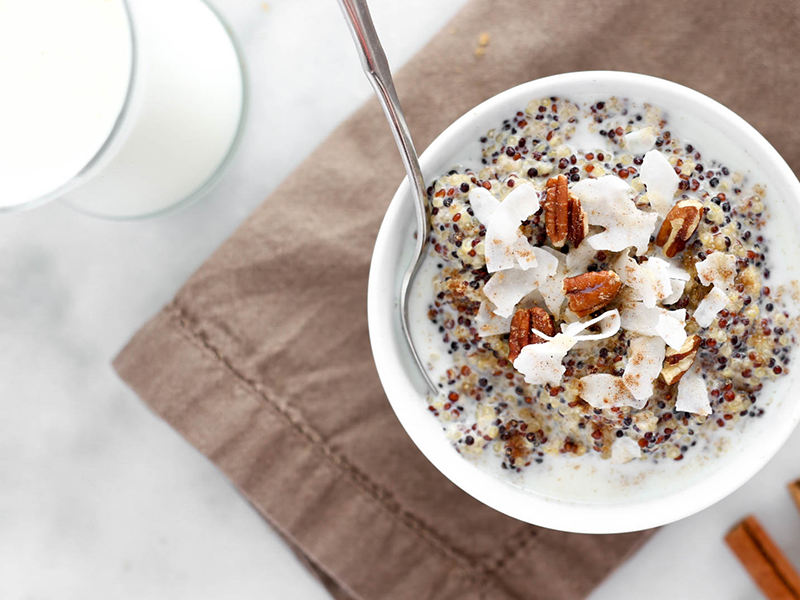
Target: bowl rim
394	369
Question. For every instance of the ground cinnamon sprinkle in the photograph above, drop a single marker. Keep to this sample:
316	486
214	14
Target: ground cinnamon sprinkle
746	344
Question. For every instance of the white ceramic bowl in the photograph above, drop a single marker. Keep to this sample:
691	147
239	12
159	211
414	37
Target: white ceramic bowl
716	130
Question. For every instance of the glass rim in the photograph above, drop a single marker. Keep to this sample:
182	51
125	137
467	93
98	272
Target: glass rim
220	170
119	122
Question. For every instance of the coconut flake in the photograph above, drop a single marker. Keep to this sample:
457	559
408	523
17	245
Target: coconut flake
546	261
529	256
718	268
579	259
678	287
649	282
506	288
624	450
709	306
677	279
665	270
692	392
602	390
676	272
553	293
522	202
505	246
525	253
552	290
483	204
640	141
667	324
671	328
608	202
609	323
489	323
501	237
640	319
661	181
541	363
645	360
602	190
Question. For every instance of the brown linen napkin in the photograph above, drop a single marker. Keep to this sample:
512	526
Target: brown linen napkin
263	362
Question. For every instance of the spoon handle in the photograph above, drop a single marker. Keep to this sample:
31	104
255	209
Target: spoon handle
376	67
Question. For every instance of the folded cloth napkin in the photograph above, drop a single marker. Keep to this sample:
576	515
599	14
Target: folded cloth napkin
263	362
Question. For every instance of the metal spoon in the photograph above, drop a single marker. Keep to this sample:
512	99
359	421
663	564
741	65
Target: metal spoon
373	60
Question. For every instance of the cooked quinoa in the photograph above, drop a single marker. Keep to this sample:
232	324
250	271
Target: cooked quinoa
486	405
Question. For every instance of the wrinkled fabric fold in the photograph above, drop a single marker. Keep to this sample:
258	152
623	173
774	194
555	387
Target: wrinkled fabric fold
263	363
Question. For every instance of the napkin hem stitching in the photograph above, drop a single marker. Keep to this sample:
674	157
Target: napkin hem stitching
488	566
362	481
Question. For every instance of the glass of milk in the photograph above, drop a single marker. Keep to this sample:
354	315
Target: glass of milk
120	108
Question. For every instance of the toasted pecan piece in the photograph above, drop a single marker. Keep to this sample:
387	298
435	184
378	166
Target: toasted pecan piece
679	225
564	217
523	321
556	210
591	291
578	223
677	362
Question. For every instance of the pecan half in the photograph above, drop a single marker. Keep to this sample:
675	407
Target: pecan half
679	225
556	210
677	362
591	291
564	217
523	321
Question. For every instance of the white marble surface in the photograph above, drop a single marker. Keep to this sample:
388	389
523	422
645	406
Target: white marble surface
99	498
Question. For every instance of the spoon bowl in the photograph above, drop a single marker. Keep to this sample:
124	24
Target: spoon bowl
376	67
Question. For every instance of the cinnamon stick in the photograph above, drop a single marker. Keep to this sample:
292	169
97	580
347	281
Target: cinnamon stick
765	562
794	490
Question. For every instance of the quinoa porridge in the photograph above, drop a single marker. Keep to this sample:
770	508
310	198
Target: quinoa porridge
599	289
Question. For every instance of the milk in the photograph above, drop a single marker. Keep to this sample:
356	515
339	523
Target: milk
577	479
186	112
65	68
122	112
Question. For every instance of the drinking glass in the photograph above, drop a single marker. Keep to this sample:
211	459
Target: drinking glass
121	109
